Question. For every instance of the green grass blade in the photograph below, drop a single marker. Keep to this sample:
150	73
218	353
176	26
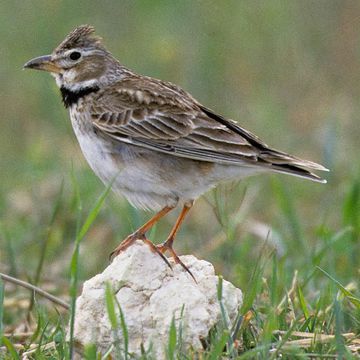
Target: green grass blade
285	338
218	349
59	337
42	337
254	285
75	257
339	324
219	288
47	238
354	300
124	329
45	243
74	263
224	314
10	347
93	214
274	281
302	303
37	331
171	348
254	353
90	352
108	353
110	306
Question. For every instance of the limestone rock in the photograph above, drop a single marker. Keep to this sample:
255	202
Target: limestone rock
150	295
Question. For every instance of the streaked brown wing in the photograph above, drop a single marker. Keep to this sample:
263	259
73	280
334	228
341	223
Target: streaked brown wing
162	117
167	123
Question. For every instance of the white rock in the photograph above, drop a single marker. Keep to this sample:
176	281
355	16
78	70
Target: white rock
150	295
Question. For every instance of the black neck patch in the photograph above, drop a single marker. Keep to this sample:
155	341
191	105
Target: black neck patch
70	97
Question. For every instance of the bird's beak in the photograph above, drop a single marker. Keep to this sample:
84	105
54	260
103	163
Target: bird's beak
44	63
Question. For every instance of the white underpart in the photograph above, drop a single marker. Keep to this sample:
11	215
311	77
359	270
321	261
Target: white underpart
141	188
147	178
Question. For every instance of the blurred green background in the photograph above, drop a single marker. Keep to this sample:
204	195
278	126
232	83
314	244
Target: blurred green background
286	70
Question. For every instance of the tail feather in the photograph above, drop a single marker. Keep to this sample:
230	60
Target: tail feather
295	170
279	158
287	164
276	160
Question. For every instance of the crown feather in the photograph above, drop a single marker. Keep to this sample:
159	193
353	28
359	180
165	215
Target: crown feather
82	36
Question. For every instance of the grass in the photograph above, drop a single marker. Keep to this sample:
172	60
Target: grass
292	312
288	71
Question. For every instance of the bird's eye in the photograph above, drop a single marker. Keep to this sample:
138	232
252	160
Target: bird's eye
75	55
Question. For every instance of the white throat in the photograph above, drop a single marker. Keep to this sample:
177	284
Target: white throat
67	80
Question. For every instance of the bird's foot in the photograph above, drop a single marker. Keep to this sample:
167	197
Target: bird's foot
124	245
130	240
167	246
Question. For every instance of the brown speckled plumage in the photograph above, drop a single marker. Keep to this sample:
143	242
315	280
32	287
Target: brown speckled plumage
157	145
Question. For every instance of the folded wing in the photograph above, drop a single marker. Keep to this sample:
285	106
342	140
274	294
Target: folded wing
169	120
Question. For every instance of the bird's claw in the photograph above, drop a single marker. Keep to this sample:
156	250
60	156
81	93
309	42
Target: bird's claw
162	248
130	241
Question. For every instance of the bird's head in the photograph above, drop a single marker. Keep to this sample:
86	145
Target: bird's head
80	61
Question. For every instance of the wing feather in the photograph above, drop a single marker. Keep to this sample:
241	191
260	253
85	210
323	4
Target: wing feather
159	116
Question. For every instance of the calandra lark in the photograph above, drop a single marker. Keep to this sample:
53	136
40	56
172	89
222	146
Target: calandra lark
152	140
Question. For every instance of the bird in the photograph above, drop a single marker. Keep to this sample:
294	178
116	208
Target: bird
149	139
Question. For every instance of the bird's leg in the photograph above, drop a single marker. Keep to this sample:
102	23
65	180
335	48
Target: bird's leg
140	234
168	244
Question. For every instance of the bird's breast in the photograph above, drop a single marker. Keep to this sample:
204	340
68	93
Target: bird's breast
95	149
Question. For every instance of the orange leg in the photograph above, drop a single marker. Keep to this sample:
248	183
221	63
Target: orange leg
140	234
168	244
